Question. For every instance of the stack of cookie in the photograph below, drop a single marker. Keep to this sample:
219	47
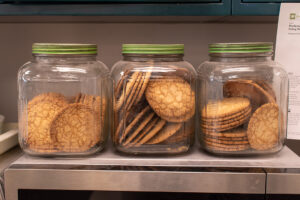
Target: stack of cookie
220	121
57	125
246	118
152	111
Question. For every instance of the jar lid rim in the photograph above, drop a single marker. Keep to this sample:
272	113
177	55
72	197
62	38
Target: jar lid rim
153	49
64	48
242	47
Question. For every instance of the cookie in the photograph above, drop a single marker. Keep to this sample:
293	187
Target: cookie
168	130
146	77
41	110
227	146
267	87
225	107
185	134
228	134
172	99
249	89
227	125
263	127
98	105
228	118
212	140
228	149
245	138
74	128
139	128
146	130
127	124
160	124
127	90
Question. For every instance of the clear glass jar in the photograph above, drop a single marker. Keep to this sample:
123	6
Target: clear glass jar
64	94
154	100
242	100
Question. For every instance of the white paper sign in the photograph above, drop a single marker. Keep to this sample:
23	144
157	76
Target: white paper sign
288	54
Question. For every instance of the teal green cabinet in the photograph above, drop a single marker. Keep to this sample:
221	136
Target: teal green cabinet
117	7
257	7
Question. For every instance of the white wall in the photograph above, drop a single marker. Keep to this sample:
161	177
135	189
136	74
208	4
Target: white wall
16	40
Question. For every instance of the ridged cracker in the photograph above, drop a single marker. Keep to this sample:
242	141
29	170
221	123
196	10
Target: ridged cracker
263	127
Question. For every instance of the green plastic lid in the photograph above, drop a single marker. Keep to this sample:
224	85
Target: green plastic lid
153	49
247	47
61	49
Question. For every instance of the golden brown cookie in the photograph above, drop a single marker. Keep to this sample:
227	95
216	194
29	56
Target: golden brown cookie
41	110
227	138
98	105
226	149
146	77
226	125
185	134
263	127
249	89
239	132
126	125
225	107
139	128
227	146
146	130
123	118
74	128
167	131
159	125
228	118
267	87
127	91
212	140
171	98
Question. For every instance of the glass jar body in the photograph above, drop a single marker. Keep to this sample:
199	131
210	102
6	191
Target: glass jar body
154	104
242	105
63	105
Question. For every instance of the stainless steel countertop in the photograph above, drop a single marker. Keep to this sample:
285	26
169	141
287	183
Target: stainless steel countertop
196	158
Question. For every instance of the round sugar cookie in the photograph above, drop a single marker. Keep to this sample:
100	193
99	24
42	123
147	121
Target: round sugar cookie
263	127
75	129
41	110
171	98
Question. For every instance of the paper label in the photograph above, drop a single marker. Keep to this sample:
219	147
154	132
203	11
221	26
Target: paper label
288	55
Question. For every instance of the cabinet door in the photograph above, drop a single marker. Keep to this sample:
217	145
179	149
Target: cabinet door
116	1
257	7
116	7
